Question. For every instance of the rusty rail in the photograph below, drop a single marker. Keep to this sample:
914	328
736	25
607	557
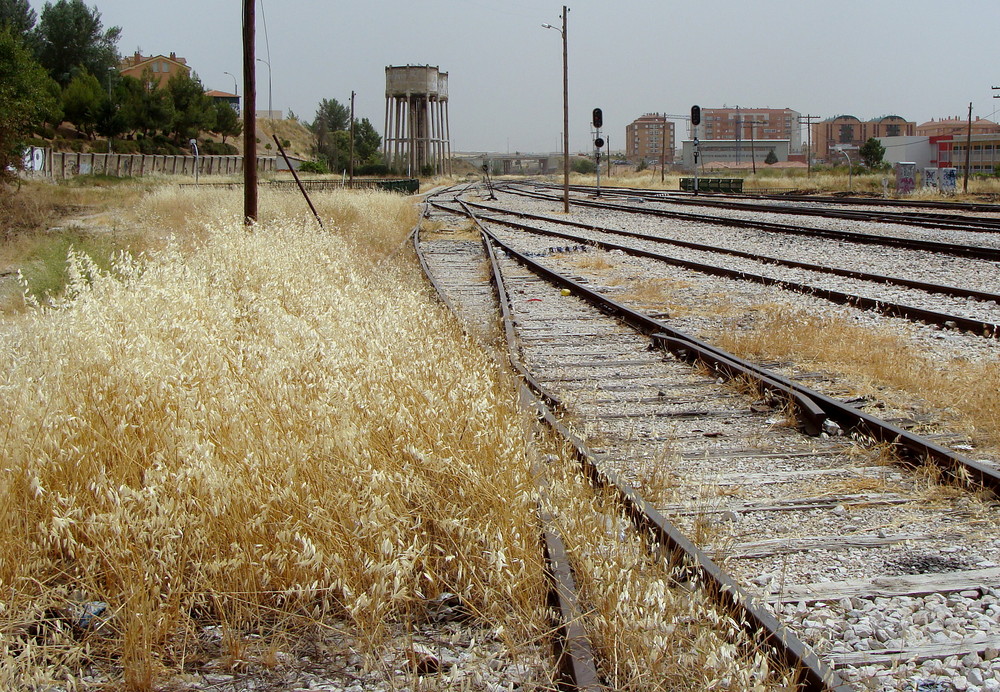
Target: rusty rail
692	563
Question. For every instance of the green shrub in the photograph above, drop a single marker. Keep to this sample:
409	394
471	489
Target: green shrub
211	148
379	169
583	166
313	167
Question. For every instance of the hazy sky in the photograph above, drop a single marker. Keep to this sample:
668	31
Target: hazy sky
918	59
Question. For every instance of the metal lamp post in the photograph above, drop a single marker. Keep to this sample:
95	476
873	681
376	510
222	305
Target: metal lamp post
268	86
850	172
110	106
236	86
565	11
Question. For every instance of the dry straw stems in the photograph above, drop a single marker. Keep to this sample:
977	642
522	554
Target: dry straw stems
248	428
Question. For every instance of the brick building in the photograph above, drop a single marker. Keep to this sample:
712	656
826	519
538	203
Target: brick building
744	124
849	132
160	67
955	126
650	137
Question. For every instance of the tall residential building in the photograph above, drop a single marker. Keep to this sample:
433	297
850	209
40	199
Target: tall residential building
849	133
956	126
649	138
744	124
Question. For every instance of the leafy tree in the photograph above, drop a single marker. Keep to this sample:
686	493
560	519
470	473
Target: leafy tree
82	98
872	152
71	37
26	100
194	111
18	16
110	121
331	117
227	122
367	142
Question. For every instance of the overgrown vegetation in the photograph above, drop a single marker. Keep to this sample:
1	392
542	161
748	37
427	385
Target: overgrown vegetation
965	389
229	440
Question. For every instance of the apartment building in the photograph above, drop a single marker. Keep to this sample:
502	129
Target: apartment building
649	138
849	132
745	124
956	126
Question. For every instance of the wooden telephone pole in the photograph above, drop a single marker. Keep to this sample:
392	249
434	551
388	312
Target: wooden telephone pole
807	119
249	116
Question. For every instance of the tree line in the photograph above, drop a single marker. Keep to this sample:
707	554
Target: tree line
62	65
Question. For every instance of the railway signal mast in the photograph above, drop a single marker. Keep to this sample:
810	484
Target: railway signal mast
695	121
598	121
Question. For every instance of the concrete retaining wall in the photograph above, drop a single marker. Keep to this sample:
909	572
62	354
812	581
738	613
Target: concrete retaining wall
60	165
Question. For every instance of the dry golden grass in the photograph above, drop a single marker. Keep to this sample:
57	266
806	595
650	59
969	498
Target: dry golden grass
875	360
249	429
594	260
656	294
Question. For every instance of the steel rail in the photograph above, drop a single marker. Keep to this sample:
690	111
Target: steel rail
978	207
909	447
681	554
890	309
955	250
842	199
943	289
955	222
571	647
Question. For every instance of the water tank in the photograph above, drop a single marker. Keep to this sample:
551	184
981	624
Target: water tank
409	80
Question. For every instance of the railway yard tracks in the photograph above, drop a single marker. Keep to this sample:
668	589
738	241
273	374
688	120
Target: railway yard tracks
861	554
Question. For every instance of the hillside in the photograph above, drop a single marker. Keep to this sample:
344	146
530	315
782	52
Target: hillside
300	139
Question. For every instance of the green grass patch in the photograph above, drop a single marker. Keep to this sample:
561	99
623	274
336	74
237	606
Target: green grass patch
46	271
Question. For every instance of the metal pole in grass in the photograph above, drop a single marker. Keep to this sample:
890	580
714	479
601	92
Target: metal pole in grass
298	182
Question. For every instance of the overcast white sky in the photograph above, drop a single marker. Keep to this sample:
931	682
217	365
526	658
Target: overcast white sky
920	59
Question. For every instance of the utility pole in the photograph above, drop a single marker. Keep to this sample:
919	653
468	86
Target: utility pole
249	116
350	165
565	112
809	147
968	152
663	149
753	152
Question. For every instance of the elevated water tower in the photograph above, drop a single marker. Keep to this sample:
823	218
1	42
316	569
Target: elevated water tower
417	132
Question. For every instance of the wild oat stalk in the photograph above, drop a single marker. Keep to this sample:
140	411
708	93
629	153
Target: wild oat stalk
251	426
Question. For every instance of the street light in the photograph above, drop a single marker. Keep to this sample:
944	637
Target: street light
236	86
562	31
850	173
110	105
268	85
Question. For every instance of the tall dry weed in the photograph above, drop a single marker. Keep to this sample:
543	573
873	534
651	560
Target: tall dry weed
964	389
249	426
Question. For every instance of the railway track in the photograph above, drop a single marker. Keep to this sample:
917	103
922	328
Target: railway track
954	249
959	222
868	564
979	313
